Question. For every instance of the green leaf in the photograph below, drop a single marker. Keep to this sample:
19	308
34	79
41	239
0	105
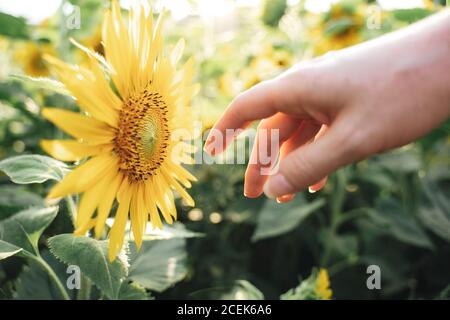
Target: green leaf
399	161
273	12
13	27
338	26
158	264
276	219
16	198
411	15
25	228
33	169
8	250
92	257
42	83
392	220
132	291
436	215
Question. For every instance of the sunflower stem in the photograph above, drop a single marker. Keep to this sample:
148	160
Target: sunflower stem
52	275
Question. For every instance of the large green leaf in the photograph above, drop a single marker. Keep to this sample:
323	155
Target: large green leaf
33	169
159	264
25	228
8	250
16	198
92	257
276	219
13	27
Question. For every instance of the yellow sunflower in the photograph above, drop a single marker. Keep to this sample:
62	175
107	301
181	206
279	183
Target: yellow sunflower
344	22
30	56
133	132
322	289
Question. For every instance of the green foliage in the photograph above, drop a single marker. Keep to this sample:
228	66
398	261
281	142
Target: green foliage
16	198
411	15
8	250
159	264
13	27
338	26
306	290
273	12
92	257
24	229
33	282
33	169
276	219
132	291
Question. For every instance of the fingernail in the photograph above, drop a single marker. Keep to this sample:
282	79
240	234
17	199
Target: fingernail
311	190
277	185
285	198
209	147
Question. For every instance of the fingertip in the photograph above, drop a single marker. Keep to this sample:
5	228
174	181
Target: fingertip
286	198
277	186
318	186
251	195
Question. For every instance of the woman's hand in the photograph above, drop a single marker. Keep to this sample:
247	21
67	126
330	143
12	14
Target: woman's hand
345	106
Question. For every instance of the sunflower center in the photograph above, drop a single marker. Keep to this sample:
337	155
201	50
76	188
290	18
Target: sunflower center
142	136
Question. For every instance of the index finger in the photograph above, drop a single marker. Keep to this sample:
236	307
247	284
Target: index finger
260	102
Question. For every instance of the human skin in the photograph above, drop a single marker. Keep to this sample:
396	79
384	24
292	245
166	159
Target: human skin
366	99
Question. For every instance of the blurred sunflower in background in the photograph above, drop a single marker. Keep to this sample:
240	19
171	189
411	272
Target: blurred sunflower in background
92	42
315	287
30	56
323	290
128	130
266	64
339	28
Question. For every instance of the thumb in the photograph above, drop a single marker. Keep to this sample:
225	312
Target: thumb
310	163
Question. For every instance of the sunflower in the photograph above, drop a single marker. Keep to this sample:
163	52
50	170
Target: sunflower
132	137
322	289
30	56
339	28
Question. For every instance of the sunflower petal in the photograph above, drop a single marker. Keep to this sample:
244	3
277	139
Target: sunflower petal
117	233
79	126
72	150
92	197
84	177
105	204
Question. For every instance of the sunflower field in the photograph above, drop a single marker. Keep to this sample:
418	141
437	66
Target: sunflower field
88	212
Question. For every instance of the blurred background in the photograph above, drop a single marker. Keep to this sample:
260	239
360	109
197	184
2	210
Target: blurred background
392	210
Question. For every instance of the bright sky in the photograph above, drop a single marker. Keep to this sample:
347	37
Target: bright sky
35	11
